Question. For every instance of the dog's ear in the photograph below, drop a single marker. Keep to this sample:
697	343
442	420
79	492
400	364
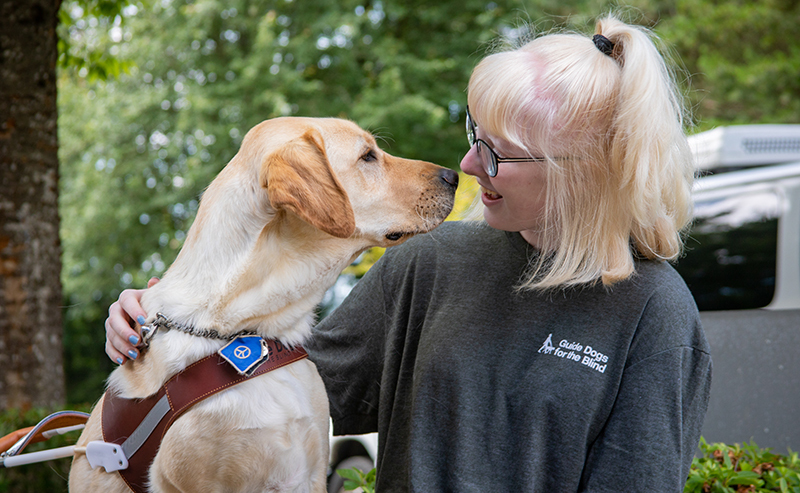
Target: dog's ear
299	178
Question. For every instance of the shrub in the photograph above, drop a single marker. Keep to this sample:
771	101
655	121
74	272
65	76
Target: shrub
722	469
355	479
742	469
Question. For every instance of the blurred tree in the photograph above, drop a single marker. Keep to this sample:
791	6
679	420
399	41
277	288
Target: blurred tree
88	32
30	290
743	57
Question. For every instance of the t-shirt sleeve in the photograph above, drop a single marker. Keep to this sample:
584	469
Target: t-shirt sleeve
347	347
654	428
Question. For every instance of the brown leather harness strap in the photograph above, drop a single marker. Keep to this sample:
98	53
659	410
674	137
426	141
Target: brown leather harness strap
202	379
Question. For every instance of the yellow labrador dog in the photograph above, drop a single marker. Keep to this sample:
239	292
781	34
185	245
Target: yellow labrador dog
301	199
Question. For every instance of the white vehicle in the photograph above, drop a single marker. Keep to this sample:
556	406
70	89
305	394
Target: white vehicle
743	267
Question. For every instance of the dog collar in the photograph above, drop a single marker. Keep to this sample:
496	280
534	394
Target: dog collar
245	350
163	322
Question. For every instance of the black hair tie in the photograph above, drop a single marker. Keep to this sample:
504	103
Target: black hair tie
603	44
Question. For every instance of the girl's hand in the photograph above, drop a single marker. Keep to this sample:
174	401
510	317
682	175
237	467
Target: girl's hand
125	317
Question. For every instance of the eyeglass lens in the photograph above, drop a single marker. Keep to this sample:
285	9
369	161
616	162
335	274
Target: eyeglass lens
488	159
485	153
470	129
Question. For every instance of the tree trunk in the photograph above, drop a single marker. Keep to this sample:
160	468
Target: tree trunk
31	363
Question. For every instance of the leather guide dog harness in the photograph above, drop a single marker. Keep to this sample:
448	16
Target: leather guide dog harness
138	426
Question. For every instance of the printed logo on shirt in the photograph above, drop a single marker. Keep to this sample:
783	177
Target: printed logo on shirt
577	352
547	347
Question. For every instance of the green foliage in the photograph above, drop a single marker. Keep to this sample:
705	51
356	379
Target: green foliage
137	150
156	96
50	476
89	34
742	469
744	58
354	478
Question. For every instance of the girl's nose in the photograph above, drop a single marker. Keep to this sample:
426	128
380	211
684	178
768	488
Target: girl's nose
471	163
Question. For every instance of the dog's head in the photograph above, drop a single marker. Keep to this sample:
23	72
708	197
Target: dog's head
332	174
299	200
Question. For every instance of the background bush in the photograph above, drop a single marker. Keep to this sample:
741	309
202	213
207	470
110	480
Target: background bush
743	469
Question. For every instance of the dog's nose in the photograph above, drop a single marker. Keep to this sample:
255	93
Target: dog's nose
449	176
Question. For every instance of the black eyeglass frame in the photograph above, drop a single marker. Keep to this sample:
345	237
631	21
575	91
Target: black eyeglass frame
490	166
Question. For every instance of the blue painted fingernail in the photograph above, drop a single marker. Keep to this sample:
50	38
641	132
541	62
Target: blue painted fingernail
134	340
120	361
132	354
140	319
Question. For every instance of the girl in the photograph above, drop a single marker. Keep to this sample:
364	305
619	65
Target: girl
549	348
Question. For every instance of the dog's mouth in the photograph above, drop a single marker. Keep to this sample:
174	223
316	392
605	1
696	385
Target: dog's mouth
397	235
400	236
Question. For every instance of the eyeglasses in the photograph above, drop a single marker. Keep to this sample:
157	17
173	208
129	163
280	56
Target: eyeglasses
488	157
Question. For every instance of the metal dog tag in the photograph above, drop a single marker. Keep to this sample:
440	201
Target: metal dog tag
245	353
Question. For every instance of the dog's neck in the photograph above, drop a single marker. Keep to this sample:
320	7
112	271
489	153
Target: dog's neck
265	279
263	271
268	286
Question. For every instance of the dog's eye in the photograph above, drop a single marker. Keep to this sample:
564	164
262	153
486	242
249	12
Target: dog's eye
369	156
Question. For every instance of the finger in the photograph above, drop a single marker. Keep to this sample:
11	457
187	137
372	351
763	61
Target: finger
114	355
152	282
119	331
117	348
129	302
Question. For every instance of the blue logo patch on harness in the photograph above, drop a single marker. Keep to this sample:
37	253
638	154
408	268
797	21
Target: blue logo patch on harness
245	353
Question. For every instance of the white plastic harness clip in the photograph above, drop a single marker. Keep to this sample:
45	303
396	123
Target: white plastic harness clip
108	455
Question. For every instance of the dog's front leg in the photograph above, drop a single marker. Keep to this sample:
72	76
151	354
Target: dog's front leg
84	479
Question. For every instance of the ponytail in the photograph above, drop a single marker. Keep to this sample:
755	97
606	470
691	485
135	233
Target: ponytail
649	156
610	104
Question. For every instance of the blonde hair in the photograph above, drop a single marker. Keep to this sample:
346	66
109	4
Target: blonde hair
624	186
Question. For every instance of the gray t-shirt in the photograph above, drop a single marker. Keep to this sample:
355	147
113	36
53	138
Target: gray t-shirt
475	387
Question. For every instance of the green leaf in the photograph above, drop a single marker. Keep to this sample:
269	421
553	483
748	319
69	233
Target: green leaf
351	474
351	485
745	477
726	457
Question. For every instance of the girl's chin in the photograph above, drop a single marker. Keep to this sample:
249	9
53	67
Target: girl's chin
496	221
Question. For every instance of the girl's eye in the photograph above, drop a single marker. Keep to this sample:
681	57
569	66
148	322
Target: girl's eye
369	156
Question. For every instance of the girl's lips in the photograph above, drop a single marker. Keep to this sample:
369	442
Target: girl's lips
490	195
